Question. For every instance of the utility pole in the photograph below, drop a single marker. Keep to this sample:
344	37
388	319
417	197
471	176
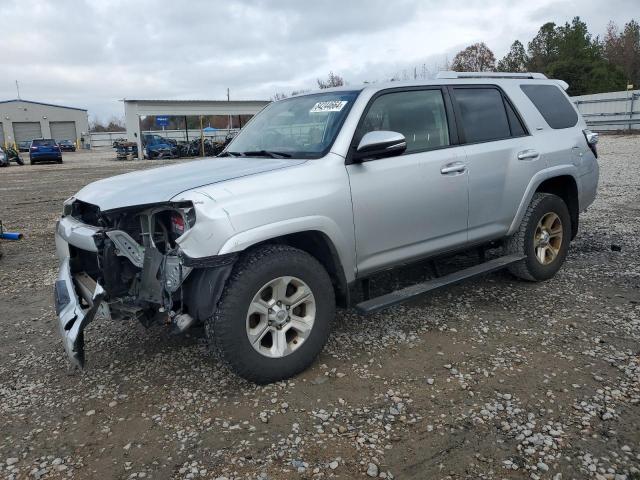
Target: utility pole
229	123
632	97
18	89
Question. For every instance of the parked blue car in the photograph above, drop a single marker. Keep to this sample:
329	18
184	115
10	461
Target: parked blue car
44	150
156	147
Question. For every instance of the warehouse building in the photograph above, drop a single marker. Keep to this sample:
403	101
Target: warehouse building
22	120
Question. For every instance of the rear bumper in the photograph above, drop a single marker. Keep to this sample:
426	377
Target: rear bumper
45	156
588	188
78	298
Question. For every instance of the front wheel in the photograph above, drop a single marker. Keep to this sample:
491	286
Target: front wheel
275	314
543	238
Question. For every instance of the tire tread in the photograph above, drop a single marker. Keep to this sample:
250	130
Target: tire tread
516	243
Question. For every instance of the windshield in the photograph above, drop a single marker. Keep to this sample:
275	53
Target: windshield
300	127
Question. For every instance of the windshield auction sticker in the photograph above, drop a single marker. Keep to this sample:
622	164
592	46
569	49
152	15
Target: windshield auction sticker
331	106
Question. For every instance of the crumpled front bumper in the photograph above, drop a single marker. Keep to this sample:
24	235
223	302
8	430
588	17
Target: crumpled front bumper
78	298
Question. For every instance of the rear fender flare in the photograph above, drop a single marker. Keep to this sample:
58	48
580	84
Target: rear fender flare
534	183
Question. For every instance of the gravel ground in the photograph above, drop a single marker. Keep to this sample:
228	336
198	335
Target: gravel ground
495	378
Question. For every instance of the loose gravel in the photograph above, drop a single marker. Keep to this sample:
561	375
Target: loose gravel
492	379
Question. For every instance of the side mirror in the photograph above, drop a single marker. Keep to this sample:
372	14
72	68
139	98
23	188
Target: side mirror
380	144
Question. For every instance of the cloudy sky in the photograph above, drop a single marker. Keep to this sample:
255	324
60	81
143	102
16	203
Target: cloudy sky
90	54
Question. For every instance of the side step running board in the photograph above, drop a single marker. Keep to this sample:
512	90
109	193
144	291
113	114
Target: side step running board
399	296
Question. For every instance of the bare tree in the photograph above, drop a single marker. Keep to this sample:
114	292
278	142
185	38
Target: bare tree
281	95
623	49
475	58
612	43
115	124
333	80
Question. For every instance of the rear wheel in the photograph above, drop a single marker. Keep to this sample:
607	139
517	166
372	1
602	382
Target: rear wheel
543	238
275	314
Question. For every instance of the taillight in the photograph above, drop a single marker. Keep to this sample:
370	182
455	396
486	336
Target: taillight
592	140
33	149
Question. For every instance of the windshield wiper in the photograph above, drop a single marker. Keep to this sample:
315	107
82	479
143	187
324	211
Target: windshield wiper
266	153
230	154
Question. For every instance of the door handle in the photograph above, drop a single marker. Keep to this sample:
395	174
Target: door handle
456	167
528	155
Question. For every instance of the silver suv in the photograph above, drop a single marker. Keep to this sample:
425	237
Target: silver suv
318	193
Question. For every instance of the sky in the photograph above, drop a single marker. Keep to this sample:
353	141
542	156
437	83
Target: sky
92	54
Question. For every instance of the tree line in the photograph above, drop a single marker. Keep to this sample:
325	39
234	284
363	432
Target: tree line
568	52
114	124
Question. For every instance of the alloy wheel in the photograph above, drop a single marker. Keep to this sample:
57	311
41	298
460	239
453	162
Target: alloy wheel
547	239
280	317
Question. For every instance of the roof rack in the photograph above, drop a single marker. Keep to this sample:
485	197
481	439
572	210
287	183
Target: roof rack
529	75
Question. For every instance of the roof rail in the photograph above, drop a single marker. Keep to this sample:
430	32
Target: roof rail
529	75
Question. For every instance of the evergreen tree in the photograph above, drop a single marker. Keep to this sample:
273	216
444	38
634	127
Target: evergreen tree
516	60
568	52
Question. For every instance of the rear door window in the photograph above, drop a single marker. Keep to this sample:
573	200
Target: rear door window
419	115
482	114
552	104
517	129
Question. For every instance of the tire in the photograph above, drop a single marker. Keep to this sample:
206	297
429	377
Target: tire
528	240
230	325
31	162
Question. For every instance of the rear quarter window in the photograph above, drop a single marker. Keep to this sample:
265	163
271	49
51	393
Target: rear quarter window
552	104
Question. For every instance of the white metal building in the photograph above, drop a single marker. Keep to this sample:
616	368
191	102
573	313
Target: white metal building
22	120
134	110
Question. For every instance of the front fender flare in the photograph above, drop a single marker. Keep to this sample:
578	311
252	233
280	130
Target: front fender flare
346	253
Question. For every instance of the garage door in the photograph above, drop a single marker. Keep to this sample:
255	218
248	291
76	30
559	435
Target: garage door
26	131
1	135
63	131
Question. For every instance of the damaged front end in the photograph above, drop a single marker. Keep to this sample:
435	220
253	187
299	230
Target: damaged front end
120	264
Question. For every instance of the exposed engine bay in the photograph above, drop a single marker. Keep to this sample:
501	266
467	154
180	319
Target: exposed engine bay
138	262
